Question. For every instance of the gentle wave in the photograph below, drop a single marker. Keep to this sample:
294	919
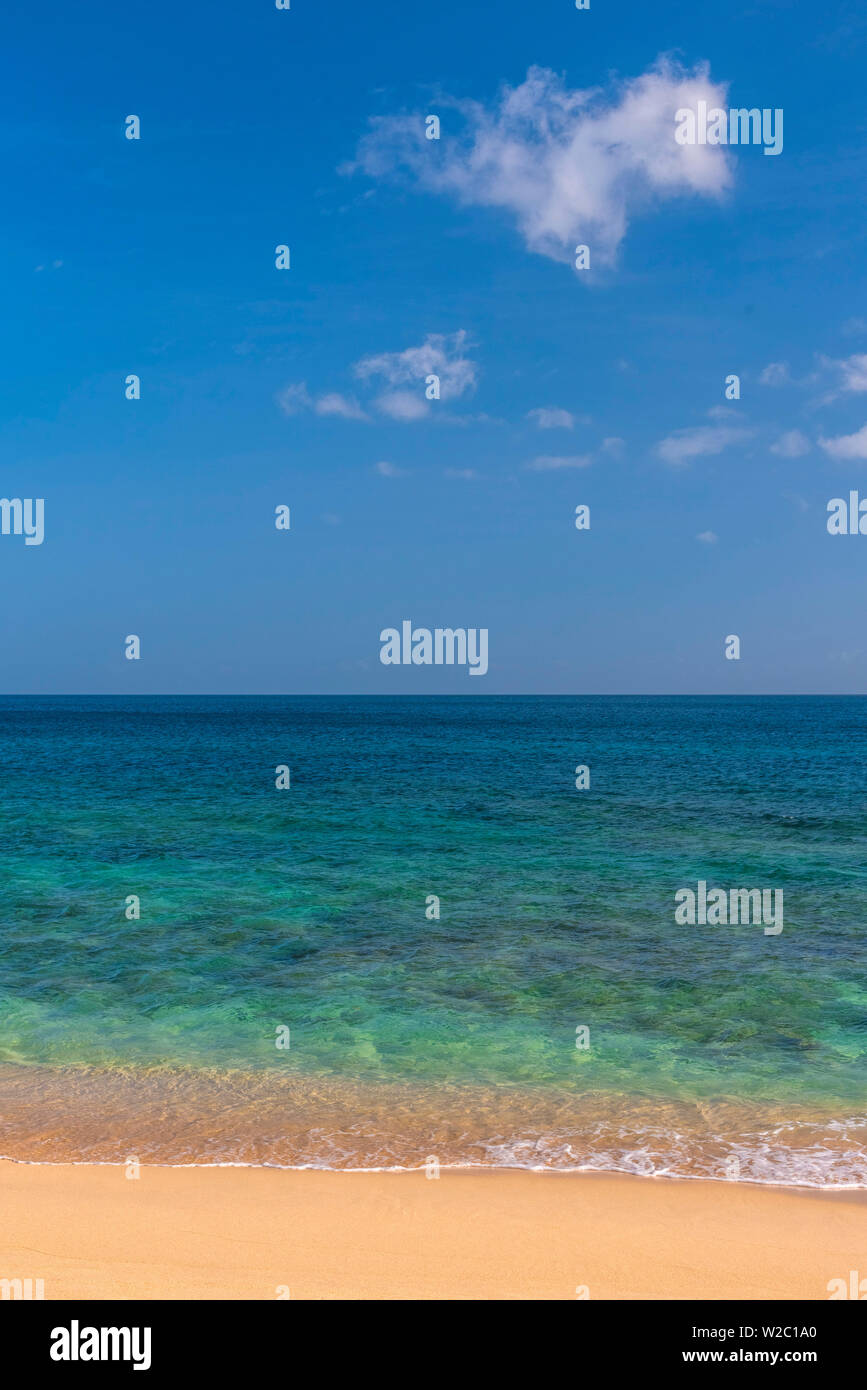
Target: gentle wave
191	1119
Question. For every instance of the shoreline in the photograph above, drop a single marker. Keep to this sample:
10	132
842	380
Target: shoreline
227	1232
302	1122
829	1189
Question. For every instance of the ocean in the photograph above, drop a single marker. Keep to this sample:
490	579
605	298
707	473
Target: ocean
389	962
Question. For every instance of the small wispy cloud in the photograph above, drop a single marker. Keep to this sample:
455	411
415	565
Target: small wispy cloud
332	403
776	374
847	446
852	372
791	445
389	470
551	418
551	463
684	445
708	537
294	399
401	405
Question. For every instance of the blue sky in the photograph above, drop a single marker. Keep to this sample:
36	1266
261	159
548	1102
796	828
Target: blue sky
302	387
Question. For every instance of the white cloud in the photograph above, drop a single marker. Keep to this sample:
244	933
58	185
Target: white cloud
551	418
847	446
681	446
389	470
332	403
548	463
461	473
853	371
776	374
293	399
613	445
402	405
441	354
569	166
791	445
709	537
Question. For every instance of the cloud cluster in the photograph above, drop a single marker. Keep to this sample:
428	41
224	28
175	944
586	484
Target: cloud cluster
851	379
295	399
568	166
402	392
441	355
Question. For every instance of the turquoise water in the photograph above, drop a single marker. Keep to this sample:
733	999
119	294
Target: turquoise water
305	909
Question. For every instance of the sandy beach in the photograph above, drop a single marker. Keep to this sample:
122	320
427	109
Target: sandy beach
253	1233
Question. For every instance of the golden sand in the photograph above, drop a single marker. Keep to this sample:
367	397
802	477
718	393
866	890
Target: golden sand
254	1233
